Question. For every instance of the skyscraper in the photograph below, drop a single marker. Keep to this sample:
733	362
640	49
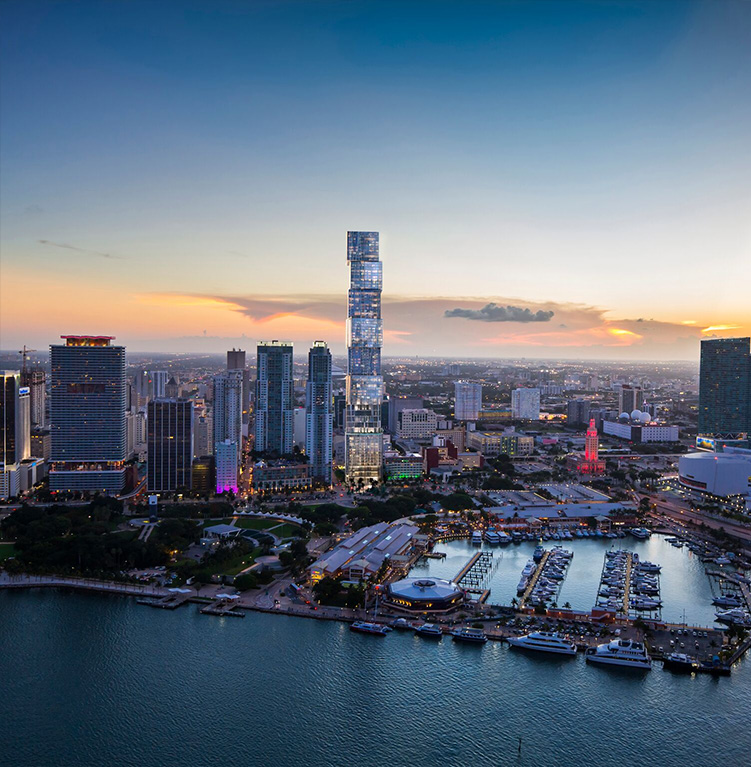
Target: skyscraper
87	415
225	456
274	405
236	361
170	444
630	398
319	417
36	380
467	400
363	431
725	388
577	412
227	415
15	419
525	404
158	383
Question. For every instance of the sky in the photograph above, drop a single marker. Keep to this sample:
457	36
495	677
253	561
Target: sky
550	179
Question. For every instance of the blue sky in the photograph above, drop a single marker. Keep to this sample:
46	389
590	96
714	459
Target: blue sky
535	154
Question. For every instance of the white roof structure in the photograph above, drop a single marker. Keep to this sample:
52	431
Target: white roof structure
414	589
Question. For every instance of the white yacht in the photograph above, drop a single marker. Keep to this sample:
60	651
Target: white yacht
620	652
491	536
477	538
503	537
544	641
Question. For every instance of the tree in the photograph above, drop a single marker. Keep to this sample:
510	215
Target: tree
246	581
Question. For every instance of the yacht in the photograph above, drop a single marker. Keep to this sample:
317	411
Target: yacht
537	555
503	537
491	536
678	661
401	624
620	652
544	641
468	634
477	538
728	600
649	567
644	603
516	537
370	628
432	630
640	532
722	560
735	615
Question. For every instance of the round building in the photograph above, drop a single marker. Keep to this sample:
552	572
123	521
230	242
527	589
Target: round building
424	594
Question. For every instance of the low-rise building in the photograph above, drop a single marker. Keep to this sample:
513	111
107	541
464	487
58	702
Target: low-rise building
280	475
494	443
397	466
635	430
417	424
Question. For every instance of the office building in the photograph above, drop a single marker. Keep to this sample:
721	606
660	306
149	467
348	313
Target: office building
158	383
36	381
87	415
203	436
274	411
203	478
227	467
725	388
15	419
467	400
363	430
525	404
630	398
279	475
577	412
417	424
236	361
170	445
493	443
319	417
396	405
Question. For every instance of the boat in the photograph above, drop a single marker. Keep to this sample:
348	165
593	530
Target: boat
678	661
491	536
544	641
643	603
620	652
649	567
728	600
469	634
640	532
401	624
722	560
503	537
477	538
370	628
735	616
516	537
538	553
432	630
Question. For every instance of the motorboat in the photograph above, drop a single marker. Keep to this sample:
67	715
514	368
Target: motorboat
491	536
370	628
620	652
735	616
476	538
643	603
503	537
722	560
728	601
678	661
649	567
401	624
544	641
640	532
431	630
538	553
469	634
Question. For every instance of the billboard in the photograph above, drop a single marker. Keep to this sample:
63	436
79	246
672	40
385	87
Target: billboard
706	443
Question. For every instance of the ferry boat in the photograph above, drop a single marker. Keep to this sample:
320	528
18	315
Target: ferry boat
516	537
469	634
620	652
491	536
503	537
678	661
477	538
544	641
432	630
370	628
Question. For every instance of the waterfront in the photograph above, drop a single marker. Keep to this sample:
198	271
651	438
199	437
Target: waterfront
683	581
94	679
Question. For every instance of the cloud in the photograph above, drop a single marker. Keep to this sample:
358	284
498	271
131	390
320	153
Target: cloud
78	250
494	313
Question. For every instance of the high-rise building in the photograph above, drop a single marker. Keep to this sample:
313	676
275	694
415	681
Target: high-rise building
225	458
363	431
36	380
630	398
525	404
158	384
274	409
227	414
87	415
319	417
725	388
397	404
170	444
203	436
467	400
15	419
577	412
236	361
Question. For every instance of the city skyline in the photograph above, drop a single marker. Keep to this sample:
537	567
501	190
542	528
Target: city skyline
537	195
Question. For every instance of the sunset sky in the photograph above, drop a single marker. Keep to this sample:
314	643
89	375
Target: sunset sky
550	179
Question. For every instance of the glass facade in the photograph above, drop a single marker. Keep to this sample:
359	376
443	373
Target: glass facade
363	428
274	398
319	419
725	387
170	445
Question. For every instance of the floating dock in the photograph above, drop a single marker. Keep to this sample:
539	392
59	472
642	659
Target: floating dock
474	576
533	580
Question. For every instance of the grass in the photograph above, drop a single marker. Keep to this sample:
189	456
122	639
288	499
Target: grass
7	550
233	567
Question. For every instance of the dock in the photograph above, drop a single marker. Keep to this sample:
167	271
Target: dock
169	602
533	580
223	607
475	575
627	583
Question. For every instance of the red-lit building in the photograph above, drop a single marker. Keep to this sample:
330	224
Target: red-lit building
592	463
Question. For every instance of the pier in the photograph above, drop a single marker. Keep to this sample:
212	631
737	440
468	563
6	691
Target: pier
533	580
627	582
223	606
476	573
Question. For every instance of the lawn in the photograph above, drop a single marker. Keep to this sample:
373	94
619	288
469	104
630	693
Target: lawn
7	550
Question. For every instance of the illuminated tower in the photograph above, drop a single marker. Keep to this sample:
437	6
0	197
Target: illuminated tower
591	445
363	432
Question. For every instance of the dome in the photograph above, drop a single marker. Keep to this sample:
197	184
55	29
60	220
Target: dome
623	416
645	417
636	415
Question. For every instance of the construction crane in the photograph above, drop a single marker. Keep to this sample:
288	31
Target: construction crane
24	354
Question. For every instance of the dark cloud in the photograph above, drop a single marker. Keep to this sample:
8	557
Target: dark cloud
78	250
494	313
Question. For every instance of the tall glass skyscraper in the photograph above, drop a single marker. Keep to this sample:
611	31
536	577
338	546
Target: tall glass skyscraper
725	387
274	401
363	432
319	417
170	444
87	415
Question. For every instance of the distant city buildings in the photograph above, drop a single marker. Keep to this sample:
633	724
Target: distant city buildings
525	404
319	418
236	362
396	405
87	415
170	445
725	388
274	398
363	429
417	425
630	398
577	412
467	400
